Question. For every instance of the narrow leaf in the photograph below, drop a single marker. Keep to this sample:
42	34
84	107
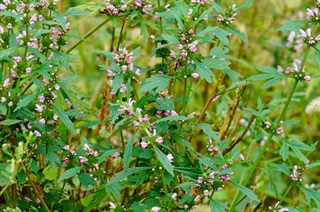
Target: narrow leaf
25	101
164	160
172	118
246	191
9	122
311	194
70	173
65	120
127	154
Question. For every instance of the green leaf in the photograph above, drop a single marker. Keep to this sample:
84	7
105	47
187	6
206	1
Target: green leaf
293	25
13	41
65	120
260	77
25	101
238	33
273	186
127	154
204	14
217	206
50	173
299	145
75	11
175	15
86	180
60	19
299	154
6	52
245	4
70	173
204	71
164	160
284	151
165	104
114	189
157	82
117	82
53	158
172	118
270	82
284	168
246	191
9	122
121	175
3	109
311	194
221	35
210	134
170	38
107	153
207	162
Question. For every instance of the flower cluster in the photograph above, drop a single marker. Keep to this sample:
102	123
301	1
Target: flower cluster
296	175
229	16
114	7
295	43
278	208
209	182
124	66
313	14
308	38
298	73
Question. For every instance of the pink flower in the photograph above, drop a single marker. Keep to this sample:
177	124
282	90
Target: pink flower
42	121
195	76
170	158
172	54
198	198
112	205
159	140
307	78
143	144
174	196
155	209
184	53
180	46
205	192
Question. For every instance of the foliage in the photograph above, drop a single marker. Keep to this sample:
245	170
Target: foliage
174	118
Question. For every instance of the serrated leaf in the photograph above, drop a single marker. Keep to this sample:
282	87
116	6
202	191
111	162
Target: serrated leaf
210	134
204	71
217	206
127	154
60	19
237	32
207	162
53	158
221	35
164	160
284	168
299	145
172	118
311	194
273	186
299	154
75	11
9	122
170	38
246	191
6	52
293	25
157	82
284	151
70	173
65	120
86	180
114	189
271	82
165	104
117	82
25	101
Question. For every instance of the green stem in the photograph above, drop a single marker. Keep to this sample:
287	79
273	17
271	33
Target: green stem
262	151
163	179
159	7
88	35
